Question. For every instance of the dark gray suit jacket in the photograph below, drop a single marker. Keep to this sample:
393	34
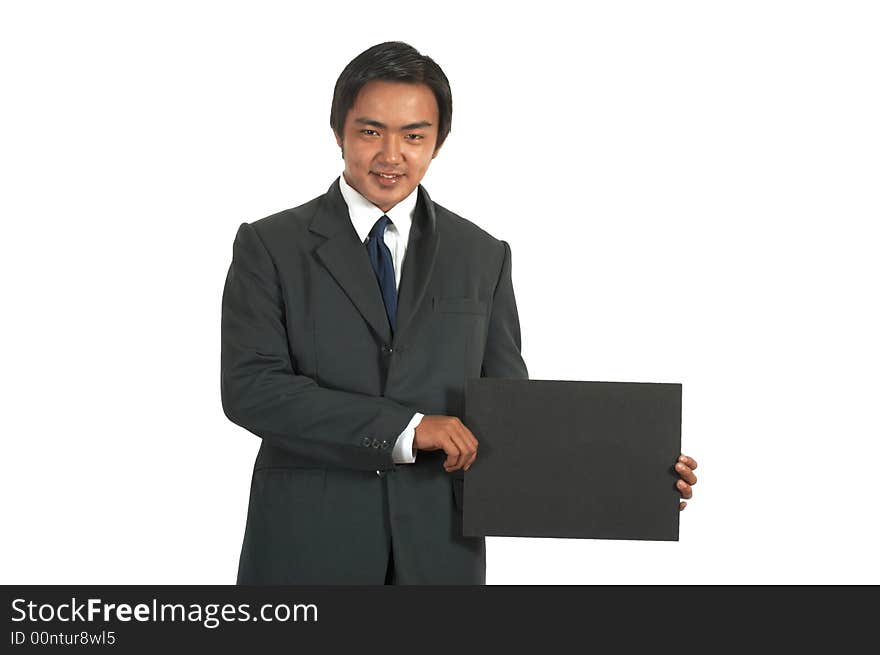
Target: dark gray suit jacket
310	366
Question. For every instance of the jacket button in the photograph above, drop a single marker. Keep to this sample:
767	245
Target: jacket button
366	442
387	350
384	445
380	473
375	444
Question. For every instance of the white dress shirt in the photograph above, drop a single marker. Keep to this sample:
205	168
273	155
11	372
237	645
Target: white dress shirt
364	215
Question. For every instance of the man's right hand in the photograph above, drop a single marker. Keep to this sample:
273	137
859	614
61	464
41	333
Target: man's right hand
449	434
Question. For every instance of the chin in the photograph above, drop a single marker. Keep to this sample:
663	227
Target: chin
393	195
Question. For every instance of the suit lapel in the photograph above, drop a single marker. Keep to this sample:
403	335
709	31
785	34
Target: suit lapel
418	264
345	257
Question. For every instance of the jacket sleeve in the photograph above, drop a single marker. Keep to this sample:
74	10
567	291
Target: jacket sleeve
263	393
502	357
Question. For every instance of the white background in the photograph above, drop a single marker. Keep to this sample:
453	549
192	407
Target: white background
689	189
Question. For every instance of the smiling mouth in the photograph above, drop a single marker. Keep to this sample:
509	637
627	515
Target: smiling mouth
387	176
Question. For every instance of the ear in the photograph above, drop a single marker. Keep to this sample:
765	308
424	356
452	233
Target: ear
436	152
339	143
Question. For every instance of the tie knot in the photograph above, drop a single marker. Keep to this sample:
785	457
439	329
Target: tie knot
379	228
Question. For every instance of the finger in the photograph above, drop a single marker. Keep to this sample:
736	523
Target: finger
473	445
462	450
450	447
468	456
466	435
690	462
686	473
685	489
682	505
464	440
471	460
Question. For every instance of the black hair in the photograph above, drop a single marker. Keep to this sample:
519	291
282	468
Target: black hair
393	61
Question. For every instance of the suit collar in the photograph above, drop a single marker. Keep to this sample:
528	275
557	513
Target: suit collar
364	214
345	257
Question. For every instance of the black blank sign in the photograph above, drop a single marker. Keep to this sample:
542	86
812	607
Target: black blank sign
572	459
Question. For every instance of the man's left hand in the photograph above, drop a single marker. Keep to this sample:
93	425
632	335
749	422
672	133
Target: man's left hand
685	468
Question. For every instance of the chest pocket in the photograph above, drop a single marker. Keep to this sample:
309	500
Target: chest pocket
460	306
459	339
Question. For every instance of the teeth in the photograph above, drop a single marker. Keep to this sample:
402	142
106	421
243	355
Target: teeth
387	177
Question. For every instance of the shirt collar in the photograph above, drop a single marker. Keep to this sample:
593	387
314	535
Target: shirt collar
364	214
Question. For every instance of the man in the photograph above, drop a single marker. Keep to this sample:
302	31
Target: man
350	325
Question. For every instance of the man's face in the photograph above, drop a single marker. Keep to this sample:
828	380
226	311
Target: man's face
388	140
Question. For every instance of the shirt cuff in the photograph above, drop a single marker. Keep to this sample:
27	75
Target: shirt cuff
404	451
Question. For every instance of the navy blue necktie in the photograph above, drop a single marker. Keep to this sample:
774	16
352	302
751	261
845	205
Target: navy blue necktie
380	258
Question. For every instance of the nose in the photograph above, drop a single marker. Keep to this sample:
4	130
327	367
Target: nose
391	151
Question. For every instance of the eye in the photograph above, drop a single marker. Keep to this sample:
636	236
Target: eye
414	137
366	130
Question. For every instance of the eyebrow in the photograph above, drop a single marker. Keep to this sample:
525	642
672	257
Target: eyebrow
372	123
